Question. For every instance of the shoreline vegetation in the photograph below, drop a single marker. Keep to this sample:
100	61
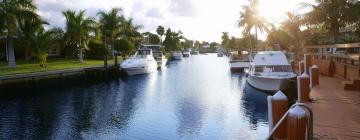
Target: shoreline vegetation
26	67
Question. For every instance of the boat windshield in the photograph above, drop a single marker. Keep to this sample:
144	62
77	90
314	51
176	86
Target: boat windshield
260	69
143	53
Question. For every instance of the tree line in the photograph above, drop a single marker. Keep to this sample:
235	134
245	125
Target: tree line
326	17
83	36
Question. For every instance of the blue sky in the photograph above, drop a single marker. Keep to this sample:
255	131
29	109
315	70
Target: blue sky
197	19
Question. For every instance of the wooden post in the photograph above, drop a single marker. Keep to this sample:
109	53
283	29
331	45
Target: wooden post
345	71
301	67
314	76
277	107
307	59
292	62
297	123
303	83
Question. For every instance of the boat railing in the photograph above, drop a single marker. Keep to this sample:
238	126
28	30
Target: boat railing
309	129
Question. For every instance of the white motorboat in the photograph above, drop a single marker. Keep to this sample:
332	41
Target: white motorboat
270	71
186	53
239	61
194	52
158	55
142	62
176	55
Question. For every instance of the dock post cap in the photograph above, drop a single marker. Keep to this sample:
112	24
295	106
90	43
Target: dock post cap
314	66
304	75
279	96
297	111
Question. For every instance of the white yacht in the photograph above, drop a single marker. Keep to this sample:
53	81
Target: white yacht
270	71
142	62
186	53
176	55
158	55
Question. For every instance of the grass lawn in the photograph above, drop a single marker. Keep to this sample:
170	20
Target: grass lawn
52	64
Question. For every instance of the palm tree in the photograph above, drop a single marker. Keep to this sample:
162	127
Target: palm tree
250	18
110	26
330	14
160	30
292	27
78	29
9	13
28	26
130	31
43	41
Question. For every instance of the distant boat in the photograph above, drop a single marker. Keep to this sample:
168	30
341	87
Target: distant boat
176	55
239	61
195	52
270	71
142	62
186	53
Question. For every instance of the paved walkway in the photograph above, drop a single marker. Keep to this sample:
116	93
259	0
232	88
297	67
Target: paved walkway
336	111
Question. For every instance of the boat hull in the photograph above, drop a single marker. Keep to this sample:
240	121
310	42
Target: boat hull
140	70
186	55
269	84
177	57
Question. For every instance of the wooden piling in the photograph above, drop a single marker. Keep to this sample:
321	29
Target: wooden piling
301	67
314	76
307	63
303	84
297	120
277	107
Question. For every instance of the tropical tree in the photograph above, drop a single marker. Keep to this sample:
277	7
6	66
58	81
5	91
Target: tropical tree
331	14
292	27
130	31
125	46
28	26
250	18
151	38
110	26
225	40
172	40
10	11
78	29
160	30
43	41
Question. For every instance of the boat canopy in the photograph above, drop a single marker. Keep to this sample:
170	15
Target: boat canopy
270	58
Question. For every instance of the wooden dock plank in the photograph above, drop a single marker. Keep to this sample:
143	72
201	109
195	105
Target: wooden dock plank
336	111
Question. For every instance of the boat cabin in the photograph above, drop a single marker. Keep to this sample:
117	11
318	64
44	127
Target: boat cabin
270	62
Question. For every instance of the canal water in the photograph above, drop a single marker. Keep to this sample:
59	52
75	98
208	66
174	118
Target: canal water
195	98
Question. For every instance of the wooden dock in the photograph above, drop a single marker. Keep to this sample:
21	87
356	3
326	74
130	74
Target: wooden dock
336	111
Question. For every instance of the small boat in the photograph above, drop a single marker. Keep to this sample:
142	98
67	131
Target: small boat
270	71
195	52
142	62
186	53
239	61
176	55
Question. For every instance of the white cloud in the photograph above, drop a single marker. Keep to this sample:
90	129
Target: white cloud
197	19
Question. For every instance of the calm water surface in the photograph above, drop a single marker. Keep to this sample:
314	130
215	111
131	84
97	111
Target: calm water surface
196	98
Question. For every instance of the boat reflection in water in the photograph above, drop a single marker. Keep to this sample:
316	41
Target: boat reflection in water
196	98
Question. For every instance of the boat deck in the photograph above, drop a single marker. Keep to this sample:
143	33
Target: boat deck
336	111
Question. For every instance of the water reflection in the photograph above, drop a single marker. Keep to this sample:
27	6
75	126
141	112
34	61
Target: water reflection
196	98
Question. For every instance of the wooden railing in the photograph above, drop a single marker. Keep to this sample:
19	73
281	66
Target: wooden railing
339	65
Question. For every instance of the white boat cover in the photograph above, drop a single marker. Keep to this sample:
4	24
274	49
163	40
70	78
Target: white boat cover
270	58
